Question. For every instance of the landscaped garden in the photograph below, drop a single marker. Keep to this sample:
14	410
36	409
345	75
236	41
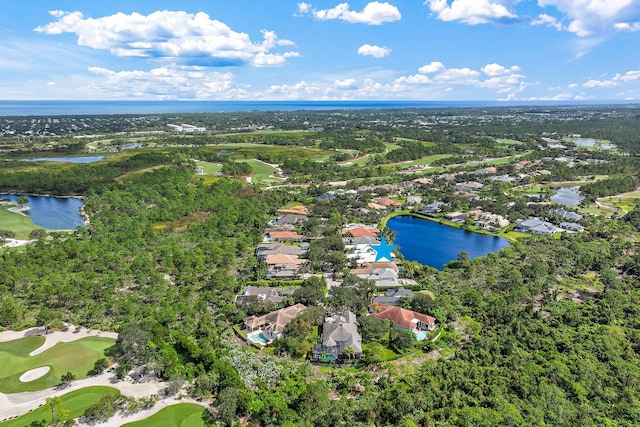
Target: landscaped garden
77	357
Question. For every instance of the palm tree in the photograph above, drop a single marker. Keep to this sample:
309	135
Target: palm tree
350	352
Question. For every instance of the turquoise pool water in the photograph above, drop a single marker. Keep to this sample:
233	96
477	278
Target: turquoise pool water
421	336
259	337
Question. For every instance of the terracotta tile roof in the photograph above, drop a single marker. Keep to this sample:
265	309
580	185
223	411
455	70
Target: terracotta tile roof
280	235
388	202
361	231
284	259
399	316
298	209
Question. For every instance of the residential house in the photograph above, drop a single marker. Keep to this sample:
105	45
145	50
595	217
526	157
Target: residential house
297	210
489	221
486	171
376	206
274	295
290	219
364	240
566	215
456	216
433	208
361	231
571	227
272	324
326	196
394	297
423	181
370	253
536	226
468	186
339	333
267	249
387	202
417	323
405	185
382	277
414	200
285	271
285	236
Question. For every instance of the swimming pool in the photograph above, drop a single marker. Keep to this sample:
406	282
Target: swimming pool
421	336
259	337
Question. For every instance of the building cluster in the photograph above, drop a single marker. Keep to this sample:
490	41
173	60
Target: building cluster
187	129
284	252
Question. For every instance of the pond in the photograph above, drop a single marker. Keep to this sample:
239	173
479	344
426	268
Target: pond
436	245
53	213
86	159
568	196
584	142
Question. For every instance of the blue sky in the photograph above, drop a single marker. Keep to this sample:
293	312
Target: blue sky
584	50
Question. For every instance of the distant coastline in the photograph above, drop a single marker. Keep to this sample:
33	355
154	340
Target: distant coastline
73	108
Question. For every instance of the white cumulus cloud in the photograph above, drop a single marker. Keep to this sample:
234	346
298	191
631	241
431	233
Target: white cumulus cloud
416	79
374	13
589	17
175	36
346	84
548	20
501	79
473	12
617	80
433	67
494	70
375	51
164	83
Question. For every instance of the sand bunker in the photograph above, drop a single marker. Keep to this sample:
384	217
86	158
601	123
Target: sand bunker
34	374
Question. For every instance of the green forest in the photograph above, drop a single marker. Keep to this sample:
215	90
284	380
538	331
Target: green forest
544	333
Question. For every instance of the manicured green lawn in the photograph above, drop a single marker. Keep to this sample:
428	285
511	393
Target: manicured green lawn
262	172
180	415
76	402
391	147
210	168
22	225
508	141
425	161
76	357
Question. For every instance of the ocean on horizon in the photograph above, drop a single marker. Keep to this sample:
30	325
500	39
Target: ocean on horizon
91	108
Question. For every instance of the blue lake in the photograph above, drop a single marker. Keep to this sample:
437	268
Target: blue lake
568	196
54	213
86	159
436	245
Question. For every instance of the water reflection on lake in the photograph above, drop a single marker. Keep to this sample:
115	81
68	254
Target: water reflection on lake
54	213
436	245
568	196
86	159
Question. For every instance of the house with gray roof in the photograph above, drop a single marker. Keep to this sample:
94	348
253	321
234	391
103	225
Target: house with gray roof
571	227
565	215
339	332
536	226
254	293
434	207
265	250
272	325
394	297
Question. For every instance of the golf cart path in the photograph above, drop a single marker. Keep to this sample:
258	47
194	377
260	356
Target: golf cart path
16	404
